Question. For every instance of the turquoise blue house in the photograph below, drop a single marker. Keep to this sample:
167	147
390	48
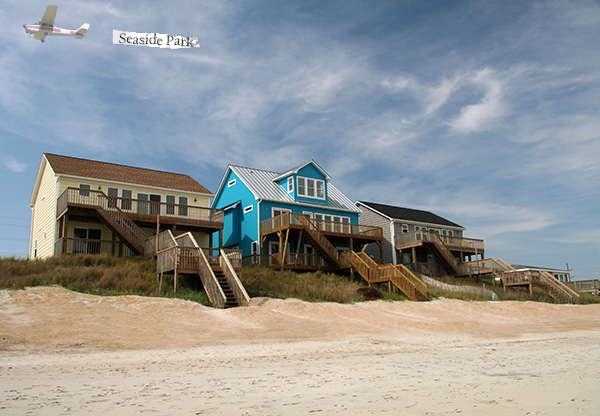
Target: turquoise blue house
296	219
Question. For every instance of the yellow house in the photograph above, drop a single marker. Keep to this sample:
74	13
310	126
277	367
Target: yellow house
86	206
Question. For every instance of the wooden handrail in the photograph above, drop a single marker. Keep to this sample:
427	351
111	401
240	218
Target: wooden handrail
294	218
311	228
372	272
211	284
545	280
234	282
109	210
167	210
453	241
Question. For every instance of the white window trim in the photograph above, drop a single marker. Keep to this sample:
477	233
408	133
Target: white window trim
309	214
249	208
283	210
290	184
305	194
231	183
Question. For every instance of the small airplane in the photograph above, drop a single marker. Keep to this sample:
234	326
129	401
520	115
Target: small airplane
46	27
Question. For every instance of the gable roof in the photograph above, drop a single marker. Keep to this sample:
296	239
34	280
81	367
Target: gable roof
408	214
262	185
297	168
84	168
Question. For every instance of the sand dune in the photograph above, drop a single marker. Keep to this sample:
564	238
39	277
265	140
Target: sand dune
70	353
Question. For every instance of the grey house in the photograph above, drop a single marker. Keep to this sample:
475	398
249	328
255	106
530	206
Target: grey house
421	240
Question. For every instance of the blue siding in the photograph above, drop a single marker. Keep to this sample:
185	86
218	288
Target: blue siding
240	228
310	171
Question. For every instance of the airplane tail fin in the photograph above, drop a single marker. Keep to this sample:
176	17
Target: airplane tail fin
82	31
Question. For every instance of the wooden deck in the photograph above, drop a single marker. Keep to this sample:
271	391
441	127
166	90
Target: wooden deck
147	212
333	230
418	238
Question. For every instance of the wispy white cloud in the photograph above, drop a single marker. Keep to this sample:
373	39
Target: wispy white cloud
12	164
476	117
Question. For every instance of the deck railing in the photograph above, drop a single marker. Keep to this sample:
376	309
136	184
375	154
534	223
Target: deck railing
140	208
230	274
165	240
588	286
106	207
211	284
545	280
330	227
455	243
66	246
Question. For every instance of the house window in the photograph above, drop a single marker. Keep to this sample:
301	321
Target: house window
142	203
280	211
183	209
85	241
310	187
290	184
404	228
154	204
113	194
248	208
313	188
320	189
307	214
82	188
254	247
451	233
170	208
231	183
301	186
126	196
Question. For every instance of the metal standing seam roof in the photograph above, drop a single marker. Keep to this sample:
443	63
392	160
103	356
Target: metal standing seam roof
409	214
261	184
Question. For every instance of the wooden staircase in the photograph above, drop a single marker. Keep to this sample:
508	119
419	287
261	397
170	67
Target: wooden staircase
320	243
449	262
219	277
398	275
545	281
108	211
511	277
230	298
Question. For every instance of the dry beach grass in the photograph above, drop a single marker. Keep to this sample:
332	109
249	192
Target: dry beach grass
70	353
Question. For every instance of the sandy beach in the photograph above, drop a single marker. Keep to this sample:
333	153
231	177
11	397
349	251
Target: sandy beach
66	353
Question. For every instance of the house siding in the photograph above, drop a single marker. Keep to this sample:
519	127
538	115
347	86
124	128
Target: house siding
240	228
44	228
43	223
310	171
369	217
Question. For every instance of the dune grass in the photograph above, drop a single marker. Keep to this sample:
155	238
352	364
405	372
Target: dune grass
95	274
107	275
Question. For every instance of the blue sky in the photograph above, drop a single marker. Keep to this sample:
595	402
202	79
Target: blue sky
484	112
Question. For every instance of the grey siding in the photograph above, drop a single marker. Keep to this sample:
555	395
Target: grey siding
368	217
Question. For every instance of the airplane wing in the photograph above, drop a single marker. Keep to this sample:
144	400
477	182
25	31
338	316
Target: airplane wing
49	16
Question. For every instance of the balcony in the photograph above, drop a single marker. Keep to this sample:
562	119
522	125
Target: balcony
331	229
142	211
417	238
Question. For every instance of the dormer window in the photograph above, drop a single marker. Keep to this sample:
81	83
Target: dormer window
290	184
311	188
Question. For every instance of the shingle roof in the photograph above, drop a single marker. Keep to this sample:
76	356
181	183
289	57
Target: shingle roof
72	166
261	184
409	214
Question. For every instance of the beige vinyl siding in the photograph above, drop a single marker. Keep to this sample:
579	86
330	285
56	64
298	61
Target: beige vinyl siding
43	223
70	182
